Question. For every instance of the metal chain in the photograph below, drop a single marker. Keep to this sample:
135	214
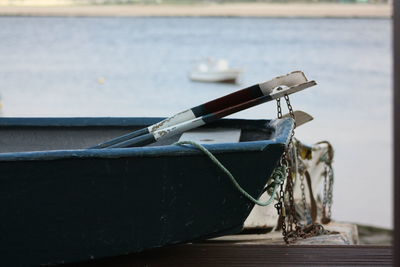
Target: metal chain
303	196
325	219
287	227
290	221
301	170
279	108
290	112
328	183
280	207
292	218
330	191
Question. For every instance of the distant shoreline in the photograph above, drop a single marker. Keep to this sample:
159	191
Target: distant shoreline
211	10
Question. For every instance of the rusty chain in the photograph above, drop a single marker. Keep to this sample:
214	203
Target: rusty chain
288	221
330	192
327	197
325	218
291	228
303	195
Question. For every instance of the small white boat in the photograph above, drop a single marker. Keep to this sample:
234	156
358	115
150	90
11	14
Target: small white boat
214	70
1	106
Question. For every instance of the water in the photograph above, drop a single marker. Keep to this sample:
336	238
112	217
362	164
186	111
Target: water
138	67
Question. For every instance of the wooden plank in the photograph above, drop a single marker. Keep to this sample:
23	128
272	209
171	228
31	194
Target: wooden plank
396	102
340	234
253	255
263	250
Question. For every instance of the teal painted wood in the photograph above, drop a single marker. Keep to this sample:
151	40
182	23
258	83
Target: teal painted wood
80	204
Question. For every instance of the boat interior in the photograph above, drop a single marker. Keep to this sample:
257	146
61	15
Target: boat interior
35	134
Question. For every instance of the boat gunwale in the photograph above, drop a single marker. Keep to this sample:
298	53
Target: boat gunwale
77	121
280	136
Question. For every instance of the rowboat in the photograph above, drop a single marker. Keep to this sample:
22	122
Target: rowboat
214	70
62	202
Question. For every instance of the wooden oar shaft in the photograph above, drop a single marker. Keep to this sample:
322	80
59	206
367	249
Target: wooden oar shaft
197	122
121	138
235	98
188	125
241	96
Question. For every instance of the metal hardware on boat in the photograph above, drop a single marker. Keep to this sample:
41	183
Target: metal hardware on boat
292	228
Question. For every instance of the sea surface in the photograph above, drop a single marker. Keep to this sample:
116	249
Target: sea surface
139	67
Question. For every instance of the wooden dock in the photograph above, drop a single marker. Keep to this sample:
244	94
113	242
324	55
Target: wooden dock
337	249
227	254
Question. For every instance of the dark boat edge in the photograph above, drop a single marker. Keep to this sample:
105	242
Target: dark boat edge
105	195
280	135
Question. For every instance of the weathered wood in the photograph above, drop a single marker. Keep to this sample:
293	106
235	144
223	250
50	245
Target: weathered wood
340	234
396	149
253	255
300	116
263	250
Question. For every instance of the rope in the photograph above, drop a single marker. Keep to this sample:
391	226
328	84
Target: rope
278	176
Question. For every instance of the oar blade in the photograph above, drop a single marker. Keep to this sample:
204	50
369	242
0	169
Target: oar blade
289	80
281	91
300	117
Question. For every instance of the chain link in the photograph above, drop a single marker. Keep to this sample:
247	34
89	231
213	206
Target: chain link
280	207
303	196
292	219
328	192
325	218
279	108
291	113
301	170
290	110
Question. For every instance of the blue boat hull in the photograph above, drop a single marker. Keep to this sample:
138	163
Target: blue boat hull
80	204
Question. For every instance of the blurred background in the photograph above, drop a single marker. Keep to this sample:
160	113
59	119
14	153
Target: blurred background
133	58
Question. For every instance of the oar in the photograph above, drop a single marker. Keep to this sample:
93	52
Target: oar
194	123
241	96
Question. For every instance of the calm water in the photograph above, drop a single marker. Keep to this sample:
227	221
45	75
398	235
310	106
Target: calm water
138	67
